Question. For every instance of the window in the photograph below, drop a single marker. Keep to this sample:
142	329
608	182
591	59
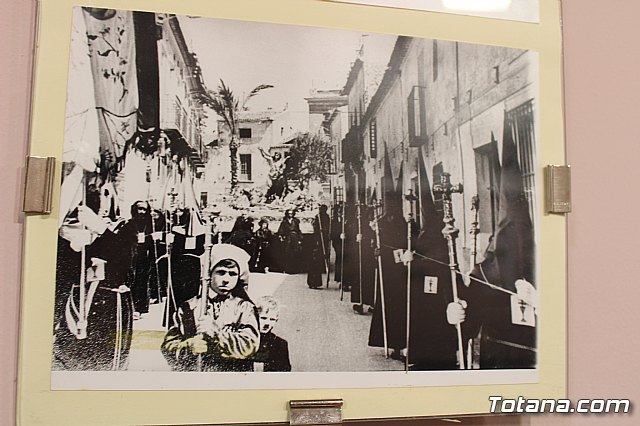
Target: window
333	165
488	181
178	113
245	167
338	194
203	199
245	133
438	170
521	121
417	118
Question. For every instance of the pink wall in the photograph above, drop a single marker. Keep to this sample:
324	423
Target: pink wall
602	59
16	45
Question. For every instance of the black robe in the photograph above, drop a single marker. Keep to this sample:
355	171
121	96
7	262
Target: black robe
242	235
319	251
364	263
110	317
432	340
143	263
185	268
336	241
159	260
291	244
511	256
503	344
273	353
261	257
392	236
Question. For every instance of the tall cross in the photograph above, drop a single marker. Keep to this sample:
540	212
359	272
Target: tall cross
446	189
450	232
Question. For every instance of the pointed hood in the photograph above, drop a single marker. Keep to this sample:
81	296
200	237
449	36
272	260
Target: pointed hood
513	244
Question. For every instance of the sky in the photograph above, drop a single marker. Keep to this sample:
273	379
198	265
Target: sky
293	59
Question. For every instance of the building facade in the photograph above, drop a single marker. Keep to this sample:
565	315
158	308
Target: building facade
258	131
181	91
328	117
444	107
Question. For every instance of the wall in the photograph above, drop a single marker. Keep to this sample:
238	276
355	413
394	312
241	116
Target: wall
265	133
16	47
602	111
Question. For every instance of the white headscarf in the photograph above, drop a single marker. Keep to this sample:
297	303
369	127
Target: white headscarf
220	252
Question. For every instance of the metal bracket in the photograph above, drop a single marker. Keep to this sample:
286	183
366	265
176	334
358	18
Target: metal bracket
38	185
558	189
315	412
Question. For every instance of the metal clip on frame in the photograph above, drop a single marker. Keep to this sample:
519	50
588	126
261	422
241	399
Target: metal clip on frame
38	186
557	189
315	412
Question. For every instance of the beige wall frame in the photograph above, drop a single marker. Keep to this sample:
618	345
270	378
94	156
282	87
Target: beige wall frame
37	404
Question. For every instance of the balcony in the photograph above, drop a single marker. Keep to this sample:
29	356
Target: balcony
180	147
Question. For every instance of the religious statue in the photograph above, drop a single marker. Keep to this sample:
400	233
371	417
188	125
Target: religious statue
276	183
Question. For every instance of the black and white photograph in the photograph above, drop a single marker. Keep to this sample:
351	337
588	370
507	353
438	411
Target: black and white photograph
243	199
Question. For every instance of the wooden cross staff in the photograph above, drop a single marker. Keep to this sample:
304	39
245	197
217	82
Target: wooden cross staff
411	198
359	241
450	232
377	209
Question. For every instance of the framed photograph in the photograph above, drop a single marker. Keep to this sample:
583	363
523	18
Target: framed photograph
254	203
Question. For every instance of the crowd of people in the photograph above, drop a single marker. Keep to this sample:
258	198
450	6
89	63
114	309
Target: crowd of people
410	293
111	270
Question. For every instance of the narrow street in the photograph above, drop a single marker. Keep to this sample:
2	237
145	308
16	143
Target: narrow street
324	333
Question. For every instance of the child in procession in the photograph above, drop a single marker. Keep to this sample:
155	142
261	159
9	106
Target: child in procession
273	354
227	336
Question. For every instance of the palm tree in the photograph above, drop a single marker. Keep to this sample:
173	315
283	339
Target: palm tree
228	106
